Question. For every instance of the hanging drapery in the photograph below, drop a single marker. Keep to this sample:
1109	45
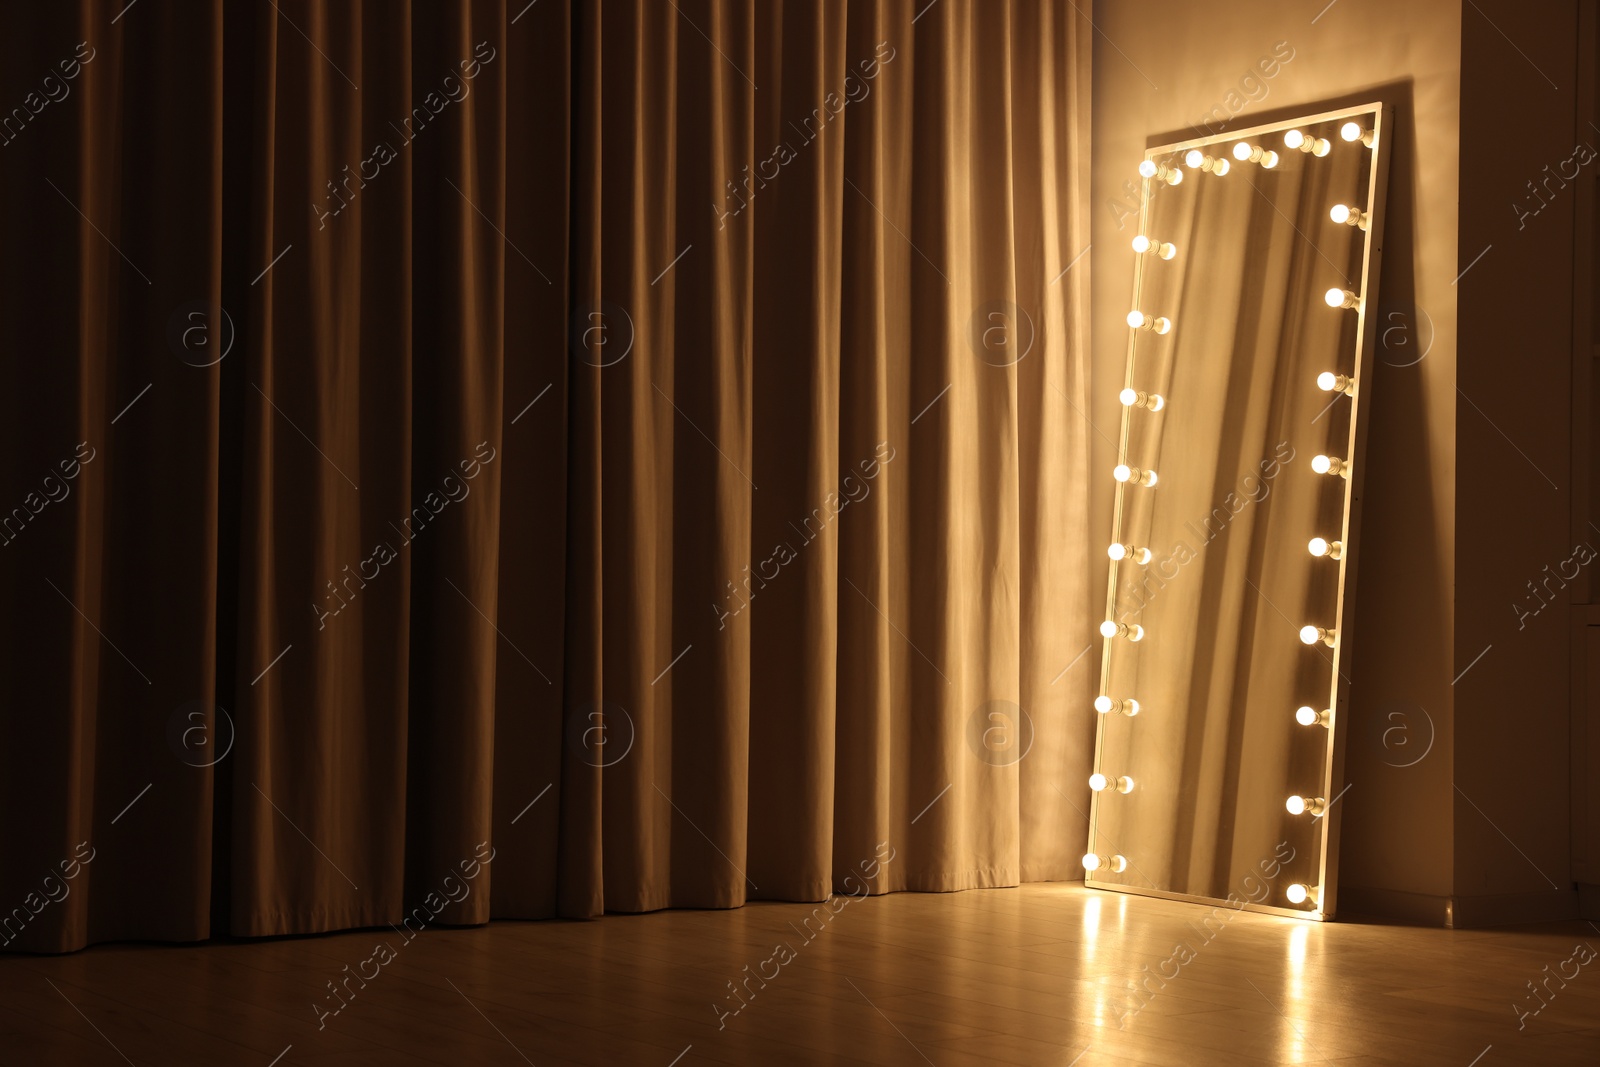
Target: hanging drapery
496	460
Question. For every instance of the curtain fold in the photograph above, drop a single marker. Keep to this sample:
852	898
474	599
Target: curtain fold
538	460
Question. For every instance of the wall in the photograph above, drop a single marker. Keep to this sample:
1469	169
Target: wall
1400	822
1515	550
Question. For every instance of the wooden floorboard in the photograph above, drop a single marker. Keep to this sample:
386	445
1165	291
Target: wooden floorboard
1044	974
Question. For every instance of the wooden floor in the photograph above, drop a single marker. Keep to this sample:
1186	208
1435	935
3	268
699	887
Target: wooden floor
1045	974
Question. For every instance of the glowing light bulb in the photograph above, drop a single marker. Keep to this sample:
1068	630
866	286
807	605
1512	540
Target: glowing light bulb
1143	244
1341	298
1115	864
1353	131
1348	216
1198	160
1330	382
1111	628
1151	169
1309	716
1245	152
1331	549
1126	474
1311	635
1303	805
1317	146
1105	706
1140	321
1299	893
1129	552
1133	398
1097	782
1330	465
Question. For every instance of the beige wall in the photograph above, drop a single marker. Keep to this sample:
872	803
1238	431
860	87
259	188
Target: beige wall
1160	65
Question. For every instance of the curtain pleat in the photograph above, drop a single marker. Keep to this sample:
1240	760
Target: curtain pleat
538	460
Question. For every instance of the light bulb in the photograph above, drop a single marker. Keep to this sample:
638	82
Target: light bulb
1331	549
1348	216
1314	145
1330	382
1299	893
1115	864
1310	635
1129	552
1133	398
1105	706
1341	298
1198	160
1140	321
1309	716
1246	152
1151	169
1302	805
1353	131
1097	782
1111	628
1143	244
1330	465
1124	473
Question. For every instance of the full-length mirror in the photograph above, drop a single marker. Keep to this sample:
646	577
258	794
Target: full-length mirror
1224	665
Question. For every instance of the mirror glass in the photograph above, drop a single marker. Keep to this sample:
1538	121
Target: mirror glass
1232	554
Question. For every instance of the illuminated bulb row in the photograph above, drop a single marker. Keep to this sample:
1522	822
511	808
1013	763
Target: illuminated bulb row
1198	160
1164	249
1348	216
1100	783
1105	706
1354	131
1140	321
1330	465
1160	172
1132	553
1133	475
1245	152
1311	635
1330	382
1131	630
1317	146
1323	548
1341	298
1133	398
1309	716
1094	862
1306	805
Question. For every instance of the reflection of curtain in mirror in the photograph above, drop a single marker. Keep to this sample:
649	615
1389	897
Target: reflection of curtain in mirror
1220	667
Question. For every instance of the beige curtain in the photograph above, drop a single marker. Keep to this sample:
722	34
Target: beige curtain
658	467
